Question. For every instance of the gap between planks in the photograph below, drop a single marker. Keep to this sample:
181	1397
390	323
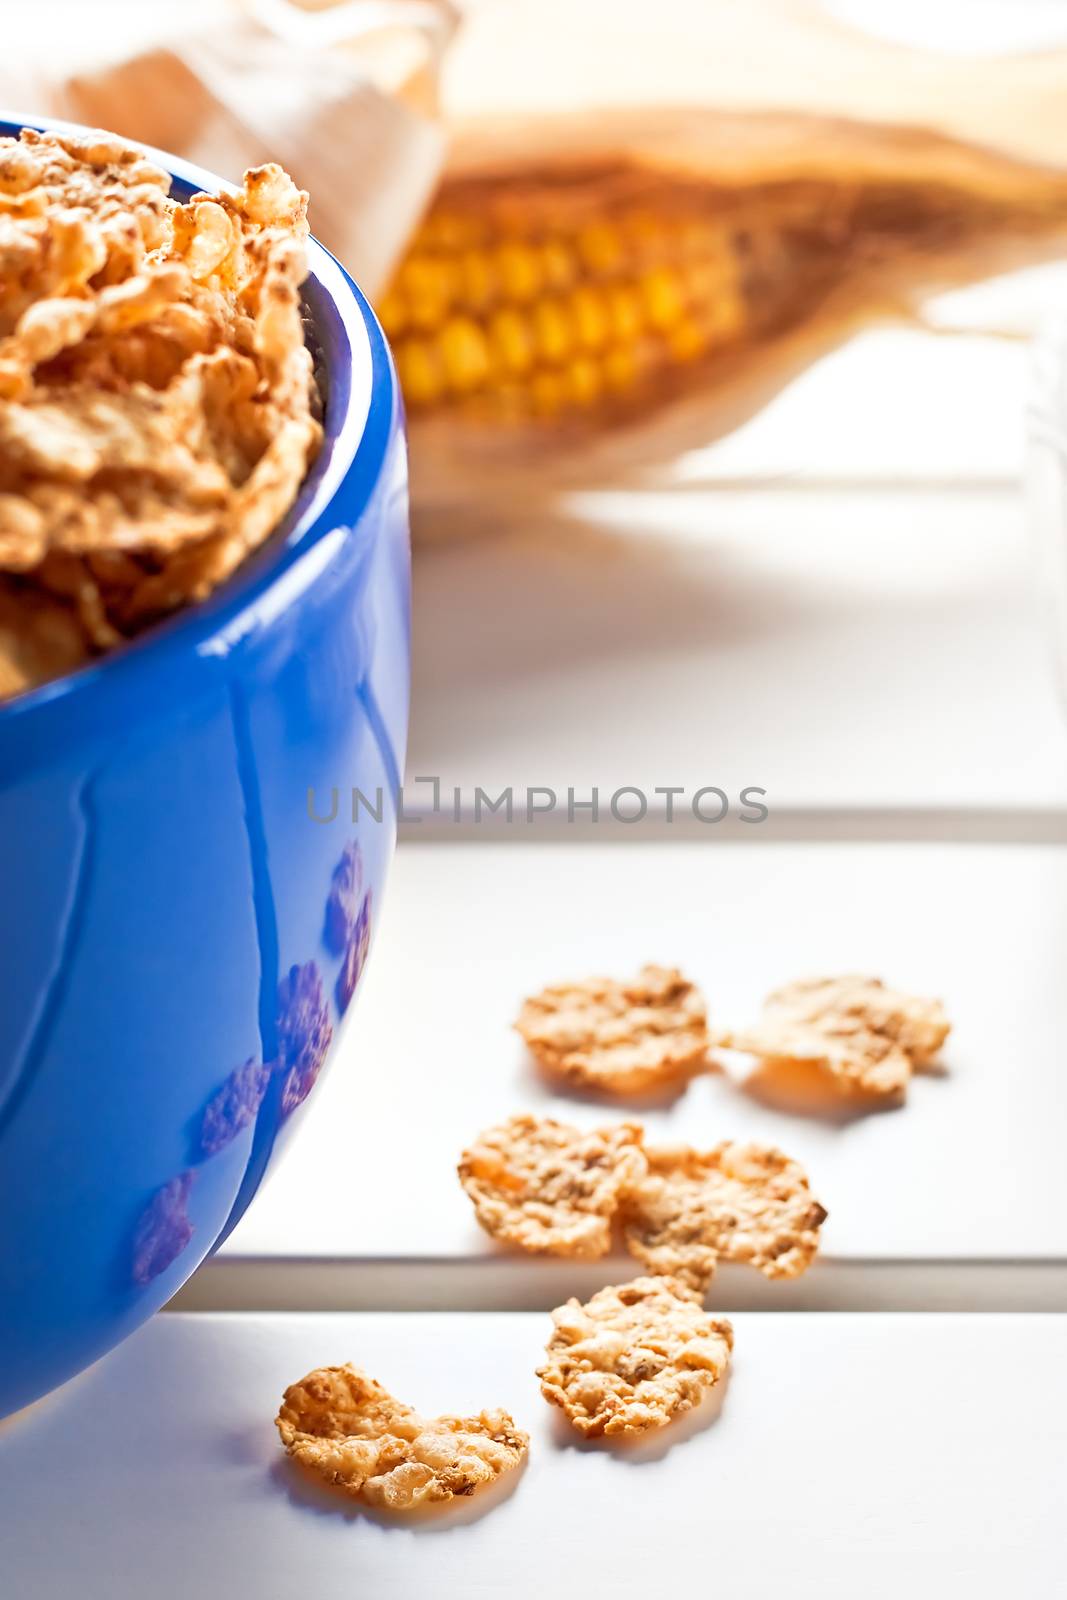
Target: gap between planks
789	825
506	1284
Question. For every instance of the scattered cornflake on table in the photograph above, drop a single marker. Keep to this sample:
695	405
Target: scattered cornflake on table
737	1202
345	1427
633	1357
625	1038
868	1038
549	1188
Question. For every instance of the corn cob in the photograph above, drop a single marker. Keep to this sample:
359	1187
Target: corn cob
563	303
578	279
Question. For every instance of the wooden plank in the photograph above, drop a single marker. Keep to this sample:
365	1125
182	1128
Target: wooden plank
965	1175
846	1455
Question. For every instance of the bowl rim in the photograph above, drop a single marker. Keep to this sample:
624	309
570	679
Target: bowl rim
362	384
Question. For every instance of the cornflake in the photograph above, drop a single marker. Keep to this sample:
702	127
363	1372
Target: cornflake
344	1426
156	395
633	1357
626	1038
867	1037
40	637
738	1202
550	1188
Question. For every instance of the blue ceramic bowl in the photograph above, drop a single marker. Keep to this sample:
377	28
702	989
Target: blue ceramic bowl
179	938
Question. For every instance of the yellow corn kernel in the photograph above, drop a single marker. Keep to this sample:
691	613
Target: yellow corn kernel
624	312
421	277
590	317
558	266
448	231
519	272
662	297
646	237
708	279
548	394
687	340
511	340
582	383
600	248
422	377
552	331
620	369
477	282
426	300
392	313
626	367
464	354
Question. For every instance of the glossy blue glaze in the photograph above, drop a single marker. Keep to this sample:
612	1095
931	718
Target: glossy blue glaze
161	879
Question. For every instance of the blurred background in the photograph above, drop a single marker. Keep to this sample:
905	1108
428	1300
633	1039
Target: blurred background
717	368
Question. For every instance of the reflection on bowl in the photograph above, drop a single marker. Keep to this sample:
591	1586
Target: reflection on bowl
177	950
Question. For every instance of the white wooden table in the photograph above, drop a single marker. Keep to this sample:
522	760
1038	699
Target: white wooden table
847	1455
953	1199
837	606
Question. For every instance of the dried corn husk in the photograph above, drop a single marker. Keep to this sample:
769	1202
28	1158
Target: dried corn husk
350	111
795	229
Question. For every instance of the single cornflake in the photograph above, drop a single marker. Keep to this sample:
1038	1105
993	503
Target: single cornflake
633	1357
163	1230
345	1427
738	1202
305	1033
355	958
550	1188
919	1026
234	1106
867	1037
343	902
625	1038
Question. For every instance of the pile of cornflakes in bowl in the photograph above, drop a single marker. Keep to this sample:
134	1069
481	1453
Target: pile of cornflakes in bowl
157	399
